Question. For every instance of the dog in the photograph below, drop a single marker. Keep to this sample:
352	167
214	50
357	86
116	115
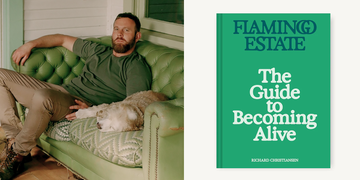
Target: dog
126	115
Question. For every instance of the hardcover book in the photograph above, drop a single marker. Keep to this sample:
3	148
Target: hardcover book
273	90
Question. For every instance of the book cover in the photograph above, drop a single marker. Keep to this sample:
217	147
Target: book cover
273	90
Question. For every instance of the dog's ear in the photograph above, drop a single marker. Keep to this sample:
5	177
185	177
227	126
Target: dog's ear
131	114
100	114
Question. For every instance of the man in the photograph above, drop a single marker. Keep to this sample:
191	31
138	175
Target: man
109	75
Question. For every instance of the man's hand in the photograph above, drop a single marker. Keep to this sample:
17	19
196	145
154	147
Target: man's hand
22	53
80	105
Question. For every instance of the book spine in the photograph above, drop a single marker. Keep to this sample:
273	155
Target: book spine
219	89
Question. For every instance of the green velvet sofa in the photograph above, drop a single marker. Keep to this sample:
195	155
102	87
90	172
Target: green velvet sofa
162	140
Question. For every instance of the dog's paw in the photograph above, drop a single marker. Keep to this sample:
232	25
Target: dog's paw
82	113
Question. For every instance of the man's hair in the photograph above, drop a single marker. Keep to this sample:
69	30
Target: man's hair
131	16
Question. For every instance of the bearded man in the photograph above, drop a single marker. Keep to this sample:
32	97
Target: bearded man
109	75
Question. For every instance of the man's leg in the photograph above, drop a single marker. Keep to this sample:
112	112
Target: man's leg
20	87
46	105
45	101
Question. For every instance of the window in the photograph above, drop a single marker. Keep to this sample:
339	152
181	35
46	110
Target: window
153	12
162	21
166	10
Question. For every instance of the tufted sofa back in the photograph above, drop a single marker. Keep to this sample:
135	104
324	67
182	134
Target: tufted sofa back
58	65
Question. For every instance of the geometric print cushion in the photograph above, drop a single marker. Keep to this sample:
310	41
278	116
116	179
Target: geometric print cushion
58	130
123	148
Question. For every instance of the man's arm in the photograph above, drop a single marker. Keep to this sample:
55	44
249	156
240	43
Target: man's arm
23	52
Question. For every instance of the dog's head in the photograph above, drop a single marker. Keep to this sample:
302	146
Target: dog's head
120	118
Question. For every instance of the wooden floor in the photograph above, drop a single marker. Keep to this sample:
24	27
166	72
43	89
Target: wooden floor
42	167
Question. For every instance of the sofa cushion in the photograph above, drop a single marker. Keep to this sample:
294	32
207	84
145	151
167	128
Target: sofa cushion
123	148
58	130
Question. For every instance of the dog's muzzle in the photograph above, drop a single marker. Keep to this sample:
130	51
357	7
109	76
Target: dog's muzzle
98	125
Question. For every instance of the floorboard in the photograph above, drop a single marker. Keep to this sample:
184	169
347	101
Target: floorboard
42	167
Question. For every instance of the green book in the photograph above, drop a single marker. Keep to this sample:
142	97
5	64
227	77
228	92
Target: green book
273	90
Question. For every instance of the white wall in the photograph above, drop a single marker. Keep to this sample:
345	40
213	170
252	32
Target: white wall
113	9
79	18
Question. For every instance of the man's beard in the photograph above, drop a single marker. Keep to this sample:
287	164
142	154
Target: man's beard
123	48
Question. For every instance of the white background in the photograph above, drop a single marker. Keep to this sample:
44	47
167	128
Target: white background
200	88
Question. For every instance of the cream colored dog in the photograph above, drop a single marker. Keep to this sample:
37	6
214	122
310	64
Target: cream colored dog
126	115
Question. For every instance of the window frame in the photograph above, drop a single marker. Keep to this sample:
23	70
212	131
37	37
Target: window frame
12	29
157	31
157	25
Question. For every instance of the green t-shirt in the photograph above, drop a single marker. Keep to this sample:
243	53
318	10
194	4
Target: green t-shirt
106	78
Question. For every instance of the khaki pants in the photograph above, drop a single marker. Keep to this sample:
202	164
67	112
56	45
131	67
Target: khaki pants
45	101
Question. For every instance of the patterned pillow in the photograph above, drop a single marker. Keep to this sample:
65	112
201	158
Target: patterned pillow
123	148
58	130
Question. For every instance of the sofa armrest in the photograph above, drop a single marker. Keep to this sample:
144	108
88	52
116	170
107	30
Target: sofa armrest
163	140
